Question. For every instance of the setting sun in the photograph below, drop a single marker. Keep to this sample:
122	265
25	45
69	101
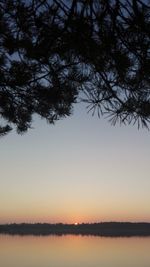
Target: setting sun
75	223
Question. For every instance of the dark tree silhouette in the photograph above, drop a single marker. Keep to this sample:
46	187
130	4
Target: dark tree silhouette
55	53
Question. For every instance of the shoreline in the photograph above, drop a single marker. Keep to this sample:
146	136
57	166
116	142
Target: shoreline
110	229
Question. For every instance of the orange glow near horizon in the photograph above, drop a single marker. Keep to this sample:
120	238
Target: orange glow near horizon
74	215
70	219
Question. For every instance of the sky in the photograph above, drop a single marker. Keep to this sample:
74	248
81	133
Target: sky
80	170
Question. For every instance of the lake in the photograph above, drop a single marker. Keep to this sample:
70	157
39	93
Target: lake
74	251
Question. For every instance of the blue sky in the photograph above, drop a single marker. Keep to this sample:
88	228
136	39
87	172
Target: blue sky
81	169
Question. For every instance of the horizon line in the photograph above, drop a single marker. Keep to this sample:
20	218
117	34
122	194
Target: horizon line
75	223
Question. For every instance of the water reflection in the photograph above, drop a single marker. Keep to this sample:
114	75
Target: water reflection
73	251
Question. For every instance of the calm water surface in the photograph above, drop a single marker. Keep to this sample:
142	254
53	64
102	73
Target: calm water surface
74	251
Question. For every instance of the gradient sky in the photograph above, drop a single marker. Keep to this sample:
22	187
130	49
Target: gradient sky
82	169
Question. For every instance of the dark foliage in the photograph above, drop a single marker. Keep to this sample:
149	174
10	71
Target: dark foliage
55	53
115	229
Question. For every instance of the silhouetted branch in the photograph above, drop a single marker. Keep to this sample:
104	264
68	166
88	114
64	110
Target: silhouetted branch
52	52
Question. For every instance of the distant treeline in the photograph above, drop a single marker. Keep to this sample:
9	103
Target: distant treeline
97	229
